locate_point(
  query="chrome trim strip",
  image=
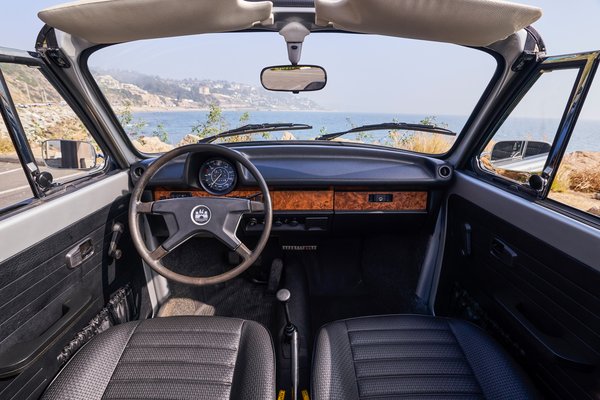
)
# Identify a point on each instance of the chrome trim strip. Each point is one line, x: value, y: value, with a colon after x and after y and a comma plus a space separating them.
x: 23, y: 230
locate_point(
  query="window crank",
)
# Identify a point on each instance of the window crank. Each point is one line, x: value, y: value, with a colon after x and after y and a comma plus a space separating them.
x: 117, y: 231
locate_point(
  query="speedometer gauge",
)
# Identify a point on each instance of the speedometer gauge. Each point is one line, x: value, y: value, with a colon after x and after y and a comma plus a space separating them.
x: 217, y: 176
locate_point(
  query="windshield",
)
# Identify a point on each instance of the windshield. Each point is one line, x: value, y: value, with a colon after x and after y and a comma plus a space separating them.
x: 176, y: 91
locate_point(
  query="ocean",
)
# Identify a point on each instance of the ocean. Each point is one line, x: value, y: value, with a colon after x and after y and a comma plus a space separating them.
x: 178, y: 124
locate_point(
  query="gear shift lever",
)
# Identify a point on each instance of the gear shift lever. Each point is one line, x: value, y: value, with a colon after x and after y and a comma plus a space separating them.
x: 283, y: 296
x: 291, y: 336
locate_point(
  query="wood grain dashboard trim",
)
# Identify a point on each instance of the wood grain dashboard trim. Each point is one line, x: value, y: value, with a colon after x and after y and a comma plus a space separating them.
x: 323, y: 200
x: 400, y: 201
x: 283, y: 200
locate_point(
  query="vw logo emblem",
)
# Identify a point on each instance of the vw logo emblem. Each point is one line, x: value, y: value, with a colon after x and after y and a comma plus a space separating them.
x: 200, y: 215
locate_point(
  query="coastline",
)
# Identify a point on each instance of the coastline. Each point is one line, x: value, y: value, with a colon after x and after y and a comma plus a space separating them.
x: 224, y: 109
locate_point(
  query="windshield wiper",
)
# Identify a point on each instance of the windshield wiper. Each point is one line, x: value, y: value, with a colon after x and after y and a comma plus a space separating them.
x: 390, y: 125
x: 254, y: 128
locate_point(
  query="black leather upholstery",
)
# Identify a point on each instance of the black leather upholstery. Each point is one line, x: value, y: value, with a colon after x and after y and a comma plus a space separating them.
x: 172, y: 358
x: 410, y: 357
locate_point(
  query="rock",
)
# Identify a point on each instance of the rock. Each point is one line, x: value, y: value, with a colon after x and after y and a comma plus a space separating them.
x: 188, y: 139
x: 594, y: 210
x: 597, y: 196
x: 287, y: 136
x: 151, y: 144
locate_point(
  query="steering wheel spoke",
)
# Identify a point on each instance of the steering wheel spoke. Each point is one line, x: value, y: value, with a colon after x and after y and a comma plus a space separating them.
x: 144, y: 208
x: 158, y: 253
x: 244, y: 251
x: 257, y: 206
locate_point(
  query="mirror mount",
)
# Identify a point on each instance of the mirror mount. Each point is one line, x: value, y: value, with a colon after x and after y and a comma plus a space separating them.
x: 294, y: 34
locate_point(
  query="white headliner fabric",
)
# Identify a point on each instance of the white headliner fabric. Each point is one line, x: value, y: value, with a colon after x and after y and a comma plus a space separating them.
x: 113, y: 21
x: 465, y: 22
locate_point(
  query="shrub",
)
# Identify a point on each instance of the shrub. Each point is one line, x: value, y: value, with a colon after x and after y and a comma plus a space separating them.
x: 6, y: 145
x: 562, y: 180
x: 585, y: 181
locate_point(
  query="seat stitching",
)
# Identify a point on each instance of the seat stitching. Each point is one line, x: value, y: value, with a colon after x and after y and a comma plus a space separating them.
x: 184, y: 331
x: 121, y: 356
x: 352, y: 354
x: 237, y: 356
x: 171, y: 379
x: 465, y: 356
x: 178, y: 362
x: 428, y: 395
x: 175, y: 346
x: 439, y: 358
x: 395, y: 329
x: 396, y: 375
x: 404, y: 342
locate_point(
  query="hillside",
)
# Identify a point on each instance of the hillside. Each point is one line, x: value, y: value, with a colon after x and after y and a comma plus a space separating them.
x: 44, y: 114
x: 126, y: 88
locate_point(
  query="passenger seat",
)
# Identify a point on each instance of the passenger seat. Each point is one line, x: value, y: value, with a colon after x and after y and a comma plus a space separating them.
x: 412, y: 356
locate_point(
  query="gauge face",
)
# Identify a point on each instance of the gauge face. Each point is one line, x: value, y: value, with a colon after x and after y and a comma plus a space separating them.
x: 217, y: 176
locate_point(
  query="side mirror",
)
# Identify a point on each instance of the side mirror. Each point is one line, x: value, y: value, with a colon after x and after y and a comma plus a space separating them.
x: 69, y: 154
x: 293, y: 78
x: 520, y: 155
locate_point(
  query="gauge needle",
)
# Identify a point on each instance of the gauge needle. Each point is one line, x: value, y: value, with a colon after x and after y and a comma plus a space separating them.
x: 217, y: 178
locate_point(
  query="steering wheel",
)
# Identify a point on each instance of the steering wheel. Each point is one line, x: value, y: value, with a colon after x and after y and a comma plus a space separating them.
x: 190, y: 216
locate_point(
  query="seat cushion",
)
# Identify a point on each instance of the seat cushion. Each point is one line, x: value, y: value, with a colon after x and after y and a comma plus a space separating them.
x: 412, y: 356
x: 172, y: 358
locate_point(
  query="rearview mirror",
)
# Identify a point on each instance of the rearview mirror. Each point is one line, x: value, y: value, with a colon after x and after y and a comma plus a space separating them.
x: 69, y: 154
x: 520, y: 155
x: 293, y: 78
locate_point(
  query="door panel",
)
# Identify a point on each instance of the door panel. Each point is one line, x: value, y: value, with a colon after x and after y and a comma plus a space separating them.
x: 43, y: 302
x: 56, y: 274
x: 540, y: 300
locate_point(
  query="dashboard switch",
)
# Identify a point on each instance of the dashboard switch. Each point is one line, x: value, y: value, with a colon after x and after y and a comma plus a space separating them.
x: 381, y: 198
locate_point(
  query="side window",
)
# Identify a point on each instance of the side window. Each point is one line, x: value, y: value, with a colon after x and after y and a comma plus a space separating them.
x: 577, y: 181
x: 58, y: 139
x: 14, y: 187
x: 521, y: 144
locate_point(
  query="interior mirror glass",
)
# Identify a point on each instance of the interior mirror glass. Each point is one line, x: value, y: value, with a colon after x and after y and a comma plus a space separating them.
x: 69, y: 154
x: 293, y: 78
x: 520, y: 155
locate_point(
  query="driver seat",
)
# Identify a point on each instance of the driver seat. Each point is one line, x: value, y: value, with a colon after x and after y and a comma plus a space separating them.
x: 172, y: 358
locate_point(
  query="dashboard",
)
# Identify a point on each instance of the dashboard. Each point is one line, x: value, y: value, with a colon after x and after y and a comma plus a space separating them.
x: 315, y: 188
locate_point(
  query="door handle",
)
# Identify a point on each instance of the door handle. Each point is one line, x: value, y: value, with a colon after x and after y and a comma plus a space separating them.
x: 503, y: 252
x: 81, y: 252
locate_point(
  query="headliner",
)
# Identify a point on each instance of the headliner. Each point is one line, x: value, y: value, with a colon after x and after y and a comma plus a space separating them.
x: 464, y: 22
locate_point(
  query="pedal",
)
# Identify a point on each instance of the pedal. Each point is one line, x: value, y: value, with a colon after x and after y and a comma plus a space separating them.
x: 275, y: 275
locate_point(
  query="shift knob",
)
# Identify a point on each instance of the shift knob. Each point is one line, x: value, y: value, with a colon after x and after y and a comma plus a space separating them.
x: 283, y: 295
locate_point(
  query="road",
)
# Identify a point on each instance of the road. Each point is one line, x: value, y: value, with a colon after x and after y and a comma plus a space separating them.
x: 13, y: 182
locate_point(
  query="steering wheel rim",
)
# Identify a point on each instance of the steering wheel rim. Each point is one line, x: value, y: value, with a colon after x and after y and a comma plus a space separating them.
x: 234, y: 208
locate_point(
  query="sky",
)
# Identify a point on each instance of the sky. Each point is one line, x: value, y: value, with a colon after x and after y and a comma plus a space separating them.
x: 365, y: 73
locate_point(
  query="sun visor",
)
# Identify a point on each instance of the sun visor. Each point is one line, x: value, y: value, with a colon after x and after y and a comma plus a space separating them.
x: 114, y: 21
x: 464, y: 22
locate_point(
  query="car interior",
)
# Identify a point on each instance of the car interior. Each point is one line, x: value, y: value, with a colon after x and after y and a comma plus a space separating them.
x: 297, y: 269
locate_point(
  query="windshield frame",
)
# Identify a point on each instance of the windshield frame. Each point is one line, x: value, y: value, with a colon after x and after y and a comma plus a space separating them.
x: 93, y: 84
